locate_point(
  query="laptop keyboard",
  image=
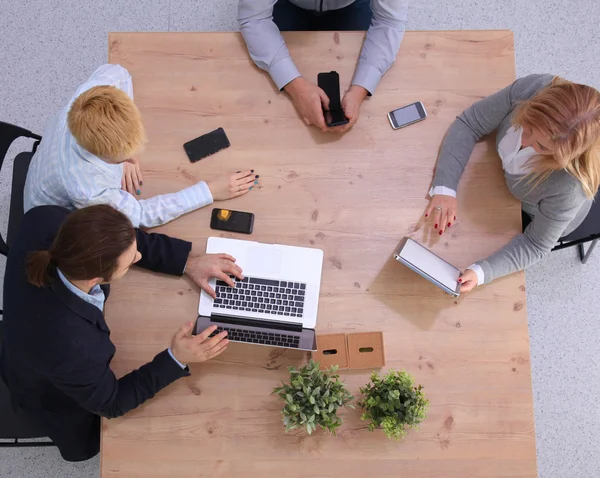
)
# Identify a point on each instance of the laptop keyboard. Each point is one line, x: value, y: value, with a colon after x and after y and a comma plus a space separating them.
x: 262, y: 295
x: 255, y: 337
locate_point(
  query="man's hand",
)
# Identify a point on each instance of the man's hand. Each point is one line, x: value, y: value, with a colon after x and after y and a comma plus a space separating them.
x: 188, y: 348
x: 351, y: 105
x: 309, y: 100
x: 202, y: 268
x: 468, y: 280
x: 132, y: 177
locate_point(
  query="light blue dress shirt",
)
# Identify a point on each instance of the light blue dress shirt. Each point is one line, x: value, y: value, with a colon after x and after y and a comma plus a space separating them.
x: 96, y: 298
x: 64, y: 174
x: 268, y: 50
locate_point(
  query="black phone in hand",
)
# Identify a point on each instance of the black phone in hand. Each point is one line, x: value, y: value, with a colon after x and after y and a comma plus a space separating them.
x: 207, y: 144
x: 330, y: 84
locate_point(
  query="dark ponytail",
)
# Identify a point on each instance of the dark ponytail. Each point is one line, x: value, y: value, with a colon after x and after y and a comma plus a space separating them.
x: 38, y: 268
x: 88, y: 245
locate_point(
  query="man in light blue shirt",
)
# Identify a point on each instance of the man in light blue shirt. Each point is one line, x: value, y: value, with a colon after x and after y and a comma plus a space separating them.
x: 88, y: 152
x: 262, y: 20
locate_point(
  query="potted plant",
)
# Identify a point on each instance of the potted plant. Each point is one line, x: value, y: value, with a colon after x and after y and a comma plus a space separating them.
x: 312, y: 397
x: 394, y: 403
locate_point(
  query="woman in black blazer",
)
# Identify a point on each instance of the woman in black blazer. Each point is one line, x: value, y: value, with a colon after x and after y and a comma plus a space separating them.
x: 57, y: 350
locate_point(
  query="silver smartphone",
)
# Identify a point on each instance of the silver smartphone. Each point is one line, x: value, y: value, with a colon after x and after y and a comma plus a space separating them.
x: 429, y: 266
x: 406, y: 115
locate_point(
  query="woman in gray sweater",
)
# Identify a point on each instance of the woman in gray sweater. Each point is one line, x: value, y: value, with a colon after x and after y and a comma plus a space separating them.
x: 548, y: 137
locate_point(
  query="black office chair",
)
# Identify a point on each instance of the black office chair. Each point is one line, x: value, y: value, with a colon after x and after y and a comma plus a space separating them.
x: 8, y: 134
x: 15, y: 427
x: 588, y: 231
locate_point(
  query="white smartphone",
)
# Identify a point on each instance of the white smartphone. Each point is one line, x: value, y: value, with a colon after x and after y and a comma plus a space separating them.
x: 429, y: 266
x: 406, y: 115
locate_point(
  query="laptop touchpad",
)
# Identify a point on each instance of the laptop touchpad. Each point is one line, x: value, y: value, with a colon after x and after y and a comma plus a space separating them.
x: 264, y: 261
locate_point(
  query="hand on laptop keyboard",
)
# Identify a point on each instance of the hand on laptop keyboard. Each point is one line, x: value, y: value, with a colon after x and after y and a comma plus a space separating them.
x: 189, y: 348
x: 201, y: 268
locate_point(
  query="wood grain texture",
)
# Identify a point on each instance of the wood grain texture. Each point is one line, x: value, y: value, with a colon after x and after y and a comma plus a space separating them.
x: 354, y: 196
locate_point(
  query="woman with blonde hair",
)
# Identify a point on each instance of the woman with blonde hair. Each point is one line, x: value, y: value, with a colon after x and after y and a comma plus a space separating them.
x: 548, y: 137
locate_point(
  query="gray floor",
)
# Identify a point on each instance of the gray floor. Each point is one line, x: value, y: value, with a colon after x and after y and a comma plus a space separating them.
x: 49, y: 46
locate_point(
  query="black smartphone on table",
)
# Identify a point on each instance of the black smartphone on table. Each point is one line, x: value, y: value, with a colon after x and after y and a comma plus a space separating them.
x: 406, y: 115
x: 330, y: 84
x: 207, y: 144
x: 232, y: 221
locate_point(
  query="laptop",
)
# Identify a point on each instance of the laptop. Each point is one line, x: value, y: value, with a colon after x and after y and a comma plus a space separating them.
x: 276, y: 303
x: 429, y: 266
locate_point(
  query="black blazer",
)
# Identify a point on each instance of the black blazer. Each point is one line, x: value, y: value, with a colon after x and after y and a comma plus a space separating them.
x: 56, y: 354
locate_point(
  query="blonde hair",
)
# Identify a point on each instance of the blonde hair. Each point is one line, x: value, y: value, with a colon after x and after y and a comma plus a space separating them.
x: 569, y: 115
x: 105, y: 121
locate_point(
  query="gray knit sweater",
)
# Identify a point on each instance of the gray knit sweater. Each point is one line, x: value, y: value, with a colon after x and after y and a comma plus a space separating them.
x: 557, y: 206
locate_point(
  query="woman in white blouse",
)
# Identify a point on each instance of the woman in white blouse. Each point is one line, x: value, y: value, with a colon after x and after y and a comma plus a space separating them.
x: 548, y: 137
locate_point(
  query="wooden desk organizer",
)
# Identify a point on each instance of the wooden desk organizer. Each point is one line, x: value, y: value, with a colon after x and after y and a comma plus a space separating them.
x: 352, y: 351
x: 331, y: 350
x: 365, y: 350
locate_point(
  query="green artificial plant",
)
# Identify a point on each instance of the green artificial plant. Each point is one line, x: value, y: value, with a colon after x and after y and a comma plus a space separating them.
x: 312, y: 397
x: 393, y: 402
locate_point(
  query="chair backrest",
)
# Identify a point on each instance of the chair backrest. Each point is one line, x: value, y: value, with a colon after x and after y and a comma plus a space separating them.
x: 14, y: 426
x: 8, y: 134
x: 589, y: 229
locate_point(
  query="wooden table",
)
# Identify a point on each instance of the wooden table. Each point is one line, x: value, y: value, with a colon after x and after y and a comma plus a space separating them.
x: 354, y: 196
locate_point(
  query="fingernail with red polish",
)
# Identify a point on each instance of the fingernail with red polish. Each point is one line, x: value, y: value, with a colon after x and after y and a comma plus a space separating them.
x: 435, y: 226
x: 455, y: 218
x: 449, y: 224
x: 459, y: 280
x: 426, y: 215
x: 441, y: 233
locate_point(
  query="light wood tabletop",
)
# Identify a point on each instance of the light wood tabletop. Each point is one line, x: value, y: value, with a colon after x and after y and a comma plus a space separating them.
x: 353, y: 196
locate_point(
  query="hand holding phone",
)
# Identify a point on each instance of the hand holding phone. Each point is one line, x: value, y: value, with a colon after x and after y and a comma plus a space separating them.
x: 309, y: 100
x: 330, y: 83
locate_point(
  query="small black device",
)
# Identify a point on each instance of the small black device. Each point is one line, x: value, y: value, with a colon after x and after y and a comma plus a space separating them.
x: 232, y: 221
x: 207, y: 144
x: 406, y: 115
x: 330, y: 84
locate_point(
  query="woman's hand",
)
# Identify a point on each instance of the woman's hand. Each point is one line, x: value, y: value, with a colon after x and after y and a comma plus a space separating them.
x: 203, y: 268
x: 188, y: 348
x: 468, y: 280
x: 227, y: 186
x: 132, y: 177
x: 442, y: 209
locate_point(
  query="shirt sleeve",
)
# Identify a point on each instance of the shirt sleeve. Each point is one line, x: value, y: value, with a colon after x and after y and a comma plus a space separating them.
x: 442, y: 190
x: 382, y: 42
x: 94, y: 386
x: 149, y: 212
x: 161, y: 253
x: 540, y: 236
x: 176, y: 361
x: 479, y: 272
x: 479, y: 119
x: 111, y: 75
x: 264, y: 41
